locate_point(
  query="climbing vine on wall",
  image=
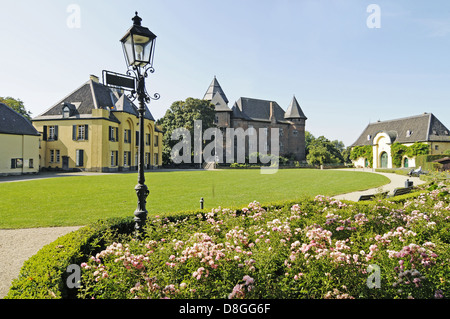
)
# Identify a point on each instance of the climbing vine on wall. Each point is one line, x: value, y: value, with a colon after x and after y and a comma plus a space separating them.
x: 398, y: 151
x: 364, y: 151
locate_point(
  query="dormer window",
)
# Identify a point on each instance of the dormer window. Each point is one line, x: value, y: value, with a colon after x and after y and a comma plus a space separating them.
x: 408, y: 133
x: 66, y: 112
x: 369, y: 137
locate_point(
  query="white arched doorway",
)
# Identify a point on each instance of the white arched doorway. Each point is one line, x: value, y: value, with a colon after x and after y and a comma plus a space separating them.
x: 382, y: 150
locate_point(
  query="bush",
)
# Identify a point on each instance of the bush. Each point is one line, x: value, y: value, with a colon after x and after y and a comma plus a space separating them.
x: 314, y: 248
x: 305, y: 248
x: 44, y: 275
x: 426, y: 161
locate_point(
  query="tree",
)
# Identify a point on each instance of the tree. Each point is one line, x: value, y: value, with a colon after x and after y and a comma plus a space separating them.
x: 309, y: 138
x: 323, y: 151
x: 339, y: 145
x: 16, y: 105
x: 182, y: 114
x: 346, y: 154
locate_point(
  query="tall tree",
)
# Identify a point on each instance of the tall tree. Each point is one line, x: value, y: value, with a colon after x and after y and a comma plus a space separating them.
x: 17, y: 105
x: 309, y: 138
x: 182, y: 114
x: 322, y: 151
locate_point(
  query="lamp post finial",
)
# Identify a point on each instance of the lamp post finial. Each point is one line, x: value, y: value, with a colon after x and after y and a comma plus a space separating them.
x: 136, y: 19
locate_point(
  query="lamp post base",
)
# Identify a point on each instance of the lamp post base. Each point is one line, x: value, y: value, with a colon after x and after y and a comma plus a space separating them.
x: 140, y: 214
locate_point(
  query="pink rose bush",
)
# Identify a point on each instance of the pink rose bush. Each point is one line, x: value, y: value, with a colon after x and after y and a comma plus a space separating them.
x: 314, y: 248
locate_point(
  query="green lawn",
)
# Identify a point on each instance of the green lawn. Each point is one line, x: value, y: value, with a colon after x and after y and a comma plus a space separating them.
x: 79, y: 200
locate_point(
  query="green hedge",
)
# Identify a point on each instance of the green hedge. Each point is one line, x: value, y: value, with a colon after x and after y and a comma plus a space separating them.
x: 396, y: 199
x: 426, y: 161
x: 44, y: 275
x: 398, y: 171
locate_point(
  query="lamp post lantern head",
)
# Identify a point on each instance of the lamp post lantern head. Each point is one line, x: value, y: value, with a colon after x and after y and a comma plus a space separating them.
x: 138, y: 44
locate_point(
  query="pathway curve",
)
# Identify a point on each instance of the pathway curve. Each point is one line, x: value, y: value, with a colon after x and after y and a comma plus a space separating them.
x: 18, y: 245
x: 397, y: 181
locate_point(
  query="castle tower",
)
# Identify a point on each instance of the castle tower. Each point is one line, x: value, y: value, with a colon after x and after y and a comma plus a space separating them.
x: 217, y: 97
x: 295, y: 115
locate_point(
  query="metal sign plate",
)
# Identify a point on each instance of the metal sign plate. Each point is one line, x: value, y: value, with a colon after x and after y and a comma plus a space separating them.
x: 119, y: 81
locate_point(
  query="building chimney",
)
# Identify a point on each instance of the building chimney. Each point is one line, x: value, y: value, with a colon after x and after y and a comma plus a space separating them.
x: 271, y: 114
x: 94, y: 78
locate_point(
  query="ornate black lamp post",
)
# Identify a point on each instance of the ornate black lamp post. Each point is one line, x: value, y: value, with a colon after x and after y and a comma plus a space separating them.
x: 138, y: 47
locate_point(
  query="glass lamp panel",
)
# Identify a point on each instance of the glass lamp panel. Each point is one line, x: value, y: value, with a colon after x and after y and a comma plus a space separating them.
x: 147, y: 49
x: 129, y: 50
x: 141, y: 49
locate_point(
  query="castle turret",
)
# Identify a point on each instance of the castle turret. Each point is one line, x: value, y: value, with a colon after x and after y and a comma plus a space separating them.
x: 297, y: 141
x: 217, y: 97
x: 294, y: 111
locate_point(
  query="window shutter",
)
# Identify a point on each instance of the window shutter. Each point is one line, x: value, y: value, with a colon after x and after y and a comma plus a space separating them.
x: 44, y: 133
x: 86, y: 130
x: 137, y: 138
x: 110, y: 135
x: 13, y: 163
x: 74, y: 132
x: 56, y: 133
x: 117, y: 134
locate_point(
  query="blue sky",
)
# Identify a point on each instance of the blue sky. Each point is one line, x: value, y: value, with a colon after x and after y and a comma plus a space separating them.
x: 343, y: 73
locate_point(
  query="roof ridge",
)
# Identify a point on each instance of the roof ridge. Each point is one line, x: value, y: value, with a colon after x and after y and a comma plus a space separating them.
x: 429, y: 126
x: 252, y: 98
x: 94, y: 96
x: 64, y: 98
x: 402, y: 118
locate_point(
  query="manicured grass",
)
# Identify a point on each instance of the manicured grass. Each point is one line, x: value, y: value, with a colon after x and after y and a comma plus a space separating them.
x: 79, y: 200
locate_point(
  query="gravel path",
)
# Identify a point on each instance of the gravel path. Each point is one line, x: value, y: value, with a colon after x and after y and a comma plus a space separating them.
x: 18, y: 245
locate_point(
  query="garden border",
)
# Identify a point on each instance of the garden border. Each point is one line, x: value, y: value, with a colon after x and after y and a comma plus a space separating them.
x: 44, y: 275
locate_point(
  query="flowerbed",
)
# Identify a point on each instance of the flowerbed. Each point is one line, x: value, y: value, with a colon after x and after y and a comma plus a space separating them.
x: 318, y: 248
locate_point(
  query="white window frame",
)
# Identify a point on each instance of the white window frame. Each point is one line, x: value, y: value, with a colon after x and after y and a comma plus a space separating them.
x: 81, y: 132
x: 78, y: 157
x: 51, y: 132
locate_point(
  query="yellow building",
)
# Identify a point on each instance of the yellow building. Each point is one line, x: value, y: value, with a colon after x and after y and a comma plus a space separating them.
x: 19, y: 143
x: 95, y: 128
x: 424, y: 128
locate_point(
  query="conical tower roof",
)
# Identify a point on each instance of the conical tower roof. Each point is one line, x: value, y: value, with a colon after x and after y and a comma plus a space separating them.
x: 214, y: 88
x: 294, y: 111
